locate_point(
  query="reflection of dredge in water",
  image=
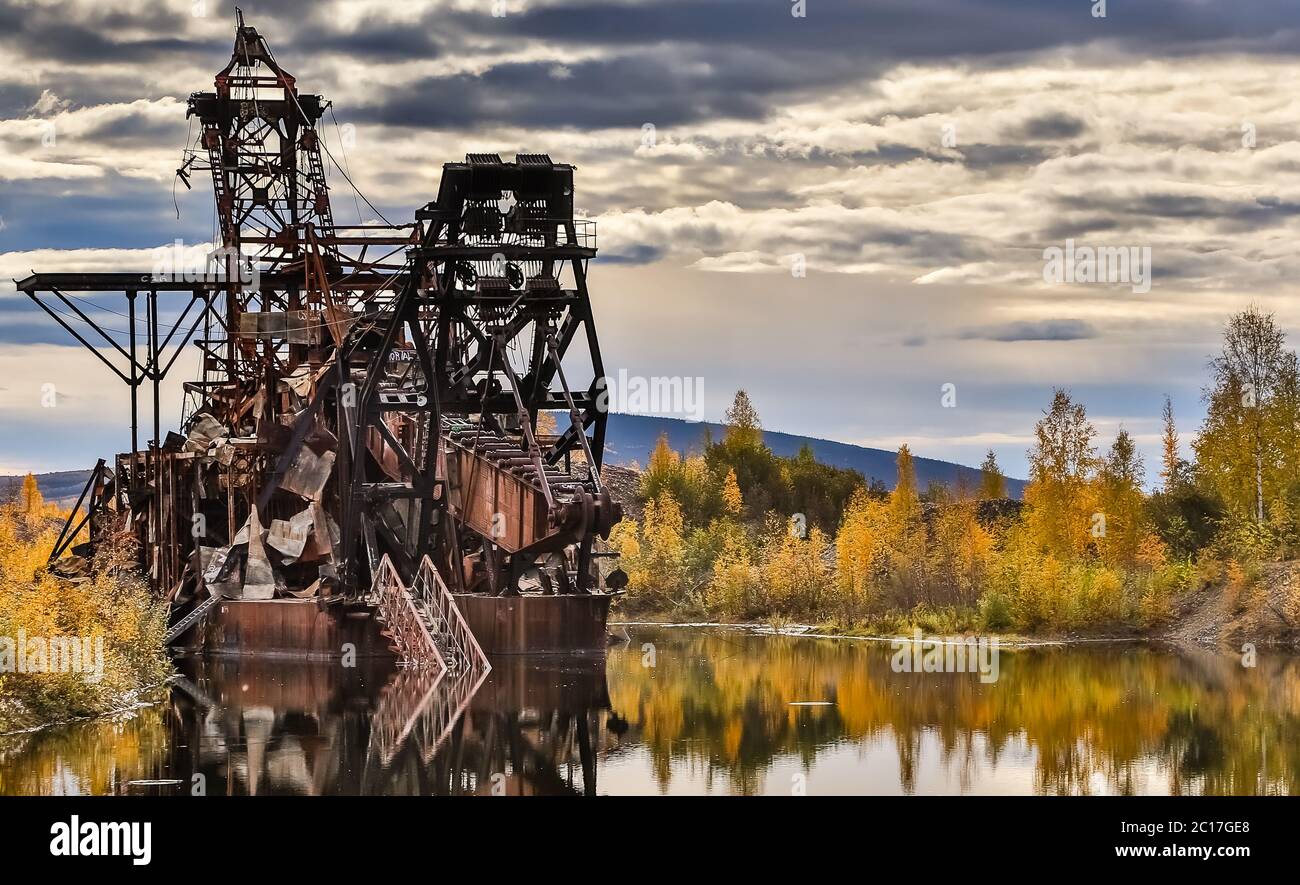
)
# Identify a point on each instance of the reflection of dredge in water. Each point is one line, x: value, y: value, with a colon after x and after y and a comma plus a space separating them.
x: 534, y: 726
x: 368, y: 399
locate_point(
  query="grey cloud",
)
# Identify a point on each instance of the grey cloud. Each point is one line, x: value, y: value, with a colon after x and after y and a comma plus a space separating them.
x: 990, y: 156
x: 1064, y: 228
x: 628, y: 90
x: 1229, y: 213
x: 113, y: 211
x: 135, y: 127
x: 1050, y: 127
x: 1032, y: 330
x: 894, y: 29
x: 670, y: 62
x: 641, y: 253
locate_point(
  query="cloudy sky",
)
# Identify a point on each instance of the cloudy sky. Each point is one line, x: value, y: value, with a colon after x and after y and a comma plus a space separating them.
x: 913, y: 157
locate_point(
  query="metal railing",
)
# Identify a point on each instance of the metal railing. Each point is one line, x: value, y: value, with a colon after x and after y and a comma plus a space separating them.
x: 402, y: 621
x: 423, y: 702
x: 464, y: 654
x: 535, y: 233
x: 398, y: 711
x: 421, y: 707
x: 175, y: 631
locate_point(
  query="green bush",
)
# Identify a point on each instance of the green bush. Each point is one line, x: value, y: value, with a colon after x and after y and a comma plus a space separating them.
x: 995, y: 611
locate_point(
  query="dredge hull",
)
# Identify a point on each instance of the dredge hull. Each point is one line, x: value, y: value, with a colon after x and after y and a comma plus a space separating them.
x: 296, y: 628
x: 537, y: 624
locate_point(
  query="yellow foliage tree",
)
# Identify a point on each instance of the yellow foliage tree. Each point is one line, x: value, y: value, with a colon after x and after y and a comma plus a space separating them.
x: 904, y: 501
x: 905, y: 533
x: 1247, y: 447
x: 743, y: 427
x: 116, y: 608
x: 962, y: 548
x: 1119, y: 494
x: 794, y: 576
x: 660, y: 565
x: 664, y: 469
x: 733, y: 588
x: 860, y: 539
x: 623, y: 540
x: 1061, y: 467
x: 546, y: 423
x: 30, y: 501
x: 732, y: 502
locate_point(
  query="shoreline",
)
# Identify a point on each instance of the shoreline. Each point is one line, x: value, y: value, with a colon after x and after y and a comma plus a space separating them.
x: 1012, y: 641
x: 130, y: 702
x: 813, y: 631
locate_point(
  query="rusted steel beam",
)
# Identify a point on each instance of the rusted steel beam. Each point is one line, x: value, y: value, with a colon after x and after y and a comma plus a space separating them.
x: 120, y: 282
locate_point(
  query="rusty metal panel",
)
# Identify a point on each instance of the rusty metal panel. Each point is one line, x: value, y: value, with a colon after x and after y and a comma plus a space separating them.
x: 287, y: 626
x: 533, y: 624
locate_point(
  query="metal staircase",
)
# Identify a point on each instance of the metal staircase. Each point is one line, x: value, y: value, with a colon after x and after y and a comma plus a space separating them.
x: 406, y: 626
x: 456, y: 643
x: 194, y: 616
x: 426, y: 699
x: 422, y: 708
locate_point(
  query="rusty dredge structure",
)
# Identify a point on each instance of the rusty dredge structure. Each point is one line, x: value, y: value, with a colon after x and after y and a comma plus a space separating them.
x: 362, y: 443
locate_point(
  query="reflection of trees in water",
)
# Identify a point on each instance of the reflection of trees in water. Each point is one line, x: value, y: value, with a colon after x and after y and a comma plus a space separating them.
x: 98, y: 757
x: 1124, y: 719
x: 716, y: 709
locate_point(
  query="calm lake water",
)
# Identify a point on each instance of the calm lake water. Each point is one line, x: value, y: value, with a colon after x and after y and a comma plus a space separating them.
x: 697, y: 711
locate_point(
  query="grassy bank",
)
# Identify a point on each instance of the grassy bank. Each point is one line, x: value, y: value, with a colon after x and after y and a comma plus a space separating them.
x: 1260, y: 606
x: 116, y: 624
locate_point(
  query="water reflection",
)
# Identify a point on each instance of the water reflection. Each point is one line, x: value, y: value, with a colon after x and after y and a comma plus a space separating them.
x: 257, y: 726
x: 723, y: 712
x: 695, y: 711
x: 534, y: 728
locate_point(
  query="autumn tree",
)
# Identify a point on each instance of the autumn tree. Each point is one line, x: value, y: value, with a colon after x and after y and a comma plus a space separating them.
x: 993, y: 484
x: 663, y: 472
x: 1282, y: 435
x: 758, y: 471
x: 794, y: 575
x: 905, y: 533
x: 860, y: 540
x: 962, y: 548
x: 1170, y: 464
x: 1252, y: 380
x: 904, y: 501
x: 30, y: 501
x: 742, y: 422
x: 732, y: 501
x: 546, y: 423
x: 689, y: 480
x: 657, y: 570
x: 734, y: 584
x: 1061, y: 467
x: 1120, y: 499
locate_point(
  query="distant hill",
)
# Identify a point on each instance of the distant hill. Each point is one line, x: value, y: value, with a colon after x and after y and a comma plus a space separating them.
x: 61, y: 487
x: 632, y: 437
